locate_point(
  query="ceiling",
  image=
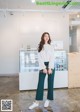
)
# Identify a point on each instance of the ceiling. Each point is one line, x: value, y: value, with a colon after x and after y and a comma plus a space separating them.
x: 28, y: 5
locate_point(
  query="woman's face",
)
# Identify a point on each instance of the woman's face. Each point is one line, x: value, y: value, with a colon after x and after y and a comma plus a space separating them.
x: 46, y: 38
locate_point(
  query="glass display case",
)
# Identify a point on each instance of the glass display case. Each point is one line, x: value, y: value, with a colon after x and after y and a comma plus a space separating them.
x: 61, y: 61
x: 29, y: 69
x: 29, y: 60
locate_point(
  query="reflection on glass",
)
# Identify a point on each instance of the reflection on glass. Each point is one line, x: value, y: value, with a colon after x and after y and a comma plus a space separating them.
x: 29, y: 61
x: 60, y: 61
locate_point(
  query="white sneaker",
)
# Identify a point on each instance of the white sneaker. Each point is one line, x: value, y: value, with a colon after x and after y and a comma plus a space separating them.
x: 46, y: 104
x: 34, y: 105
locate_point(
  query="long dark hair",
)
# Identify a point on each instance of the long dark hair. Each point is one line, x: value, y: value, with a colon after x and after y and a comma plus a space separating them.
x: 42, y: 42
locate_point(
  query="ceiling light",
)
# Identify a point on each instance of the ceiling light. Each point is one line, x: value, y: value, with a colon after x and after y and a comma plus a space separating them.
x: 33, y: 1
x: 78, y: 15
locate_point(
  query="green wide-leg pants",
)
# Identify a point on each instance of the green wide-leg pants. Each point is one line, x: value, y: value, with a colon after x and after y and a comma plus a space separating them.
x: 40, y: 87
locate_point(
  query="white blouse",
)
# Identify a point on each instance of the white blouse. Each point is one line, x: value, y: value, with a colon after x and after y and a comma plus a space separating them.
x: 46, y: 55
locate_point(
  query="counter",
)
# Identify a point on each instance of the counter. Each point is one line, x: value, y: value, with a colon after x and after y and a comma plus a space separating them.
x: 73, y: 70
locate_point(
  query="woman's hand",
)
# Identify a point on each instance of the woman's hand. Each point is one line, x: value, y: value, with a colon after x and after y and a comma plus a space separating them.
x: 45, y: 71
x: 49, y: 71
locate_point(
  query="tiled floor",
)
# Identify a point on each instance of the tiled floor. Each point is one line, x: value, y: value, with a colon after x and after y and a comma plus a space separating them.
x: 65, y: 100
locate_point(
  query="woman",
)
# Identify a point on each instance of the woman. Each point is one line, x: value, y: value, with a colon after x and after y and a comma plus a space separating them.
x: 46, y: 66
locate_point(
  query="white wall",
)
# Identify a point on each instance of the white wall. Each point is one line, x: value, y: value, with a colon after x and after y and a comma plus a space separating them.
x: 26, y: 28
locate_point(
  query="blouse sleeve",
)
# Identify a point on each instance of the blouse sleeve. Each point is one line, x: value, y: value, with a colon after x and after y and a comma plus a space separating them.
x: 51, y: 61
x: 41, y: 62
